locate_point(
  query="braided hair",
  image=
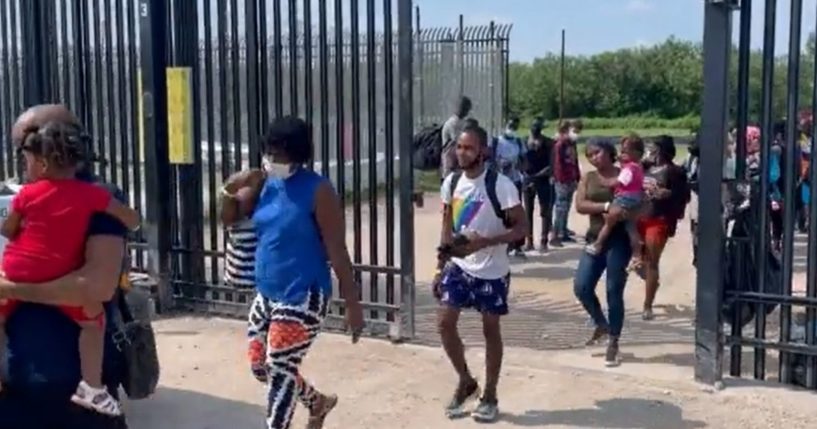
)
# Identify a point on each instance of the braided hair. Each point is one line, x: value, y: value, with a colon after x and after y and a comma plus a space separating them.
x: 61, y: 145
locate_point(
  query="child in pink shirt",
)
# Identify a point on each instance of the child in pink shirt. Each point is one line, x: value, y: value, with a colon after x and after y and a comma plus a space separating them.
x: 628, y: 197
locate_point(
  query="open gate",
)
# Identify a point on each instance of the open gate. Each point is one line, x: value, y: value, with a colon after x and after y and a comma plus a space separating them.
x: 176, y: 94
x: 764, y: 290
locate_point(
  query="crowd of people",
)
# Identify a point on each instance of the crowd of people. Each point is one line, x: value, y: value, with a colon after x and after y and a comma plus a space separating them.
x: 634, y: 195
x: 286, y: 230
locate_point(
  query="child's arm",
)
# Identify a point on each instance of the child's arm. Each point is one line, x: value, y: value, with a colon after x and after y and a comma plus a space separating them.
x: 128, y: 216
x: 12, y: 224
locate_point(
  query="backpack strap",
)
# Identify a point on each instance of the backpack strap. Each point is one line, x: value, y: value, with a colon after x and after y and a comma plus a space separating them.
x: 455, y: 178
x: 491, y: 177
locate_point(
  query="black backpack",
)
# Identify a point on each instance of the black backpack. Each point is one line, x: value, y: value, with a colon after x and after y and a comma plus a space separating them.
x: 428, y: 148
x: 491, y: 176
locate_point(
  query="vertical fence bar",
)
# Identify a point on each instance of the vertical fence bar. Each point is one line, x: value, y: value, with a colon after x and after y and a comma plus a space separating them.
x: 66, y: 56
x: 293, y: 56
x: 110, y: 102
x: 323, y: 51
x: 309, y: 103
x: 708, y: 333
x: 811, y: 275
x: 135, y: 122
x: 420, y: 49
x: 210, y: 109
x: 278, y: 52
x: 124, y: 122
x: 388, y: 68
x: 767, y: 103
x: 736, y: 350
x: 97, y: 47
x: 34, y: 86
x: 357, y: 216
x: 152, y: 14
x: 263, y: 65
x: 221, y: 30
x: 790, y: 162
x: 340, y: 106
x: 371, y: 105
x: 405, y: 131
x: 7, y: 106
x: 251, y: 40
x: 236, y: 85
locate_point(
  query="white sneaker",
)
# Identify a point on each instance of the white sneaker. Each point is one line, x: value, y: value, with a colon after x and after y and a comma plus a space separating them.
x: 98, y: 400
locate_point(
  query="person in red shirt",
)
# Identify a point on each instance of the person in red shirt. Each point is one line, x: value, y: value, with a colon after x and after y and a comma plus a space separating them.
x: 565, y: 178
x: 46, y: 228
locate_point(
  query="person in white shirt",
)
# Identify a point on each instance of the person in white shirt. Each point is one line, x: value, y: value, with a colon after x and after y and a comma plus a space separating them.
x: 482, y: 215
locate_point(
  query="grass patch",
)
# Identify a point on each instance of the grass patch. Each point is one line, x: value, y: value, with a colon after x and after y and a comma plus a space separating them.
x: 647, y: 132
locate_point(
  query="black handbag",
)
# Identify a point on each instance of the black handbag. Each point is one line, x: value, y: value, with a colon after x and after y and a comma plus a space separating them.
x: 137, y: 343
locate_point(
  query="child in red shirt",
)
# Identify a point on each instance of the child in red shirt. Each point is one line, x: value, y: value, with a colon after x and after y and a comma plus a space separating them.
x: 627, y: 198
x: 46, y: 228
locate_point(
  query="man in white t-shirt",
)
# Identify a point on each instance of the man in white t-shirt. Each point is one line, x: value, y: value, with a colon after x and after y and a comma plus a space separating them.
x: 482, y: 215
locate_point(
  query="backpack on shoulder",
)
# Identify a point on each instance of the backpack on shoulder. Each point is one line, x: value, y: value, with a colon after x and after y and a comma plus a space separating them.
x: 428, y: 148
x: 491, y: 176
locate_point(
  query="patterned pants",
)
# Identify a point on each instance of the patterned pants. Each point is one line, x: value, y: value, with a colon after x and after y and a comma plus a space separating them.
x: 279, y: 337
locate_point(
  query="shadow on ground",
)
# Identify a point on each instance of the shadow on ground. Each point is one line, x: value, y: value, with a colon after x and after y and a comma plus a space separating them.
x: 539, y: 322
x: 622, y: 413
x: 182, y: 409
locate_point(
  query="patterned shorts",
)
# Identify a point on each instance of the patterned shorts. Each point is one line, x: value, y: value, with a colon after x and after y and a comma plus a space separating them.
x: 461, y: 290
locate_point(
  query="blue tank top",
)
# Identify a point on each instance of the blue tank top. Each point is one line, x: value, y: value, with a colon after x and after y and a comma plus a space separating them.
x: 290, y: 260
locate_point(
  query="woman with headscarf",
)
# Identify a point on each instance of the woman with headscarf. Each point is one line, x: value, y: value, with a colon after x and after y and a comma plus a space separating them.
x: 667, y: 193
x: 593, y: 199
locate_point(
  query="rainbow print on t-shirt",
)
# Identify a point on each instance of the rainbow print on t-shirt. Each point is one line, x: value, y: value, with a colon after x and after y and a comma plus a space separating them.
x: 464, y: 211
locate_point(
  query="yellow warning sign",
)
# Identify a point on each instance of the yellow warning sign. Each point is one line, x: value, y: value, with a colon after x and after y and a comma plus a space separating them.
x: 180, y: 115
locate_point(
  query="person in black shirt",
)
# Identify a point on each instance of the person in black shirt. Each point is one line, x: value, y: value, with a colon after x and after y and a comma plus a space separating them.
x: 537, y: 183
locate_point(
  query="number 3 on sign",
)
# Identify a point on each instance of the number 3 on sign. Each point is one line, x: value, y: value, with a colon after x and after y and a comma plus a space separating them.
x: 144, y: 9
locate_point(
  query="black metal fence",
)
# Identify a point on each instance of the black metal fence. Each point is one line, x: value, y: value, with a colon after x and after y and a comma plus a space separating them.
x: 248, y: 62
x: 467, y: 60
x: 756, y: 273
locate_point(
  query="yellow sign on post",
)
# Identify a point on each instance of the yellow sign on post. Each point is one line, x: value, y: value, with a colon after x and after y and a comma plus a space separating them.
x: 180, y: 115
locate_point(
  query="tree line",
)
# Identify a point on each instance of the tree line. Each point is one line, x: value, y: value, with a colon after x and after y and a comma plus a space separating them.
x: 659, y: 82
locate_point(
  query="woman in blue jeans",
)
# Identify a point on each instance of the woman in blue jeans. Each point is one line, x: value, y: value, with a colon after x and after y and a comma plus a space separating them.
x: 593, y: 199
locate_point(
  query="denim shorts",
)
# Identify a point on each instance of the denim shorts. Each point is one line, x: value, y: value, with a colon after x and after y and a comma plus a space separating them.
x: 628, y: 202
x: 461, y: 290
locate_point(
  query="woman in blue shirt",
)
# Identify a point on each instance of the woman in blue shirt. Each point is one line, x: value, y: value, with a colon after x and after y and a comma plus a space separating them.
x: 300, y: 227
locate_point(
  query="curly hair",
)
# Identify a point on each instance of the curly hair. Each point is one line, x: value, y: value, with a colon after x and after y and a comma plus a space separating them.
x: 60, y: 145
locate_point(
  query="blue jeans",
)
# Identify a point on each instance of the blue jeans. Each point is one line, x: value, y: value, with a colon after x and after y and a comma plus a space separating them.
x: 614, y: 260
x: 561, y: 207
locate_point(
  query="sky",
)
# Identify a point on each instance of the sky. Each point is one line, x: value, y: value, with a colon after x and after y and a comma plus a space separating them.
x: 594, y: 26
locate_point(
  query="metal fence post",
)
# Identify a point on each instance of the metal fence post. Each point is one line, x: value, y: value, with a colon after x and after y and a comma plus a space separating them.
x: 708, y: 324
x: 153, y: 45
x: 35, y: 53
x: 191, y: 207
x: 405, y: 129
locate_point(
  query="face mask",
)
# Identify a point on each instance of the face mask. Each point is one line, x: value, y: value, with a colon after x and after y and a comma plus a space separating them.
x: 276, y: 169
x: 573, y: 135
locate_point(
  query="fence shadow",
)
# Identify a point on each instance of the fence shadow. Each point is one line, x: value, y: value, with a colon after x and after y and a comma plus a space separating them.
x: 183, y: 409
x: 621, y: 413
x: 539, y: 322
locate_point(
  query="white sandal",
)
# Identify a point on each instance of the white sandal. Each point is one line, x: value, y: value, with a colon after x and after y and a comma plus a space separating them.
x: 99, y: 400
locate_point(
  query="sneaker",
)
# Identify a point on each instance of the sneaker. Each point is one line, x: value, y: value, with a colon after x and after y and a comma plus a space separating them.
x: 96, y: 399
x: 487, y: 411
x: 318, y: 415
x: 568, y: 239
x: 463, y: 394
x: 598, y: 334
x: 611, y: 358
x: 647, y: 315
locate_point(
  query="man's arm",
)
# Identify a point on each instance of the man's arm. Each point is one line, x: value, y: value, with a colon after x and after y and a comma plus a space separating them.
x: 96, y: 281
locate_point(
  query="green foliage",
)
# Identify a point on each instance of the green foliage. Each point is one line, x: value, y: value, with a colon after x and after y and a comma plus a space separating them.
x: 649, y: 87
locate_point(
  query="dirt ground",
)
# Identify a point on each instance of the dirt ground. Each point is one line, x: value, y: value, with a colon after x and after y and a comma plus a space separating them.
x: 548, y: 380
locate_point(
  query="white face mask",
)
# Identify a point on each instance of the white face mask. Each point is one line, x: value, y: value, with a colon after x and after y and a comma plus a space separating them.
x: 573, y: 135
x: 276, y: 169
